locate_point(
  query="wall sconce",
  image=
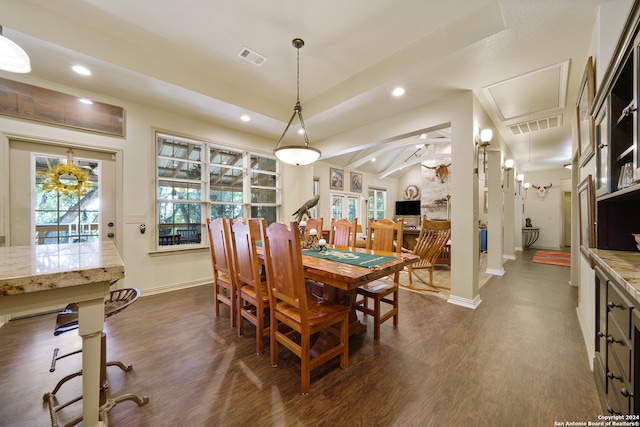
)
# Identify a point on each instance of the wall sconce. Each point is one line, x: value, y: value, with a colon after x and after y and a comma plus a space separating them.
x: 482, y: 142
x: 508, y: 166
x: 519, y: 184
x: 527, y: 185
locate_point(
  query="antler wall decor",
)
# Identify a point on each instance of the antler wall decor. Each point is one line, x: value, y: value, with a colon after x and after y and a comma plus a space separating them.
x: 542, y: 191
x: 442, y: 171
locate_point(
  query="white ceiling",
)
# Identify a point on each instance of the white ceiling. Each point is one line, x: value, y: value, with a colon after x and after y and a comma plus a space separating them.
x: 523, y: 59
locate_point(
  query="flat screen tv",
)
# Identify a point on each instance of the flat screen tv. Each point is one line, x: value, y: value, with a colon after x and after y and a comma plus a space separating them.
x: 408, y: 207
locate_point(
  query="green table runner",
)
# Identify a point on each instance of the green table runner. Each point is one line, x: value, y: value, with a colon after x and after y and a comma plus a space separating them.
x: 348, y: 257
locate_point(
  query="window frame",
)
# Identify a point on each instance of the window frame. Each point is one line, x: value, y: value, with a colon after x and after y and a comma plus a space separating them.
x: 205, y: 201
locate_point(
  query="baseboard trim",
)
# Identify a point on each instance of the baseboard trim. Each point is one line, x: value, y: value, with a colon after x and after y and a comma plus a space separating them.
x: 508, y: 257
x: 495, y: 272
x: 175, y: 287
x: 465, y: 302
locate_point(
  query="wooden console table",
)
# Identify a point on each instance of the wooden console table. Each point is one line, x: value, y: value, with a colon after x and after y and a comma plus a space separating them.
x: 46, y: 276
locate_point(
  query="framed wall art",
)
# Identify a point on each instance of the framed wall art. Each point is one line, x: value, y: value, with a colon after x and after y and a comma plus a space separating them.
x: 336, y: 179
x: 586, y: 208
x: 356, y: 182
x: 586, y: 122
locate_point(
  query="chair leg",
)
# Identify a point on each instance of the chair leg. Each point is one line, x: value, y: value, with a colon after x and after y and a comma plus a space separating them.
x: 396, y: 303
x: 259, y: 331
x: 305, y: 364
x: 273, y: 341
x: 430, y: 288
x: 376, y: 319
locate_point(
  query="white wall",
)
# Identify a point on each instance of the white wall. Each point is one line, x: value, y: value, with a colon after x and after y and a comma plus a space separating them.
x: 144, y: 270
x: 546, y: 212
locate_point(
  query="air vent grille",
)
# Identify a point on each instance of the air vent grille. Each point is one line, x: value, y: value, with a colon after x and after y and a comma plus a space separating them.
x: 535, y: 125
x: 254, y: 57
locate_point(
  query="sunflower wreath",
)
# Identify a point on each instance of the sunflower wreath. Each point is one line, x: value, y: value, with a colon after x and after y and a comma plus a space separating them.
x: 52, y: 180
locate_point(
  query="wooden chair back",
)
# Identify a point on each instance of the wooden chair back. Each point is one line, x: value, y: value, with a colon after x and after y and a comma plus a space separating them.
x: 219, y: 232
x: 385, y: 235
x: 432, y: 239
x: 283, y: 262
x: 313, y: 223
x: 246, y: 233
x: 343, y: 232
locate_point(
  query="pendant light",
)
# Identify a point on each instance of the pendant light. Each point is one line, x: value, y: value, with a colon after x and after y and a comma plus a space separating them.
x: 297, y: 154
x: 12, y: 57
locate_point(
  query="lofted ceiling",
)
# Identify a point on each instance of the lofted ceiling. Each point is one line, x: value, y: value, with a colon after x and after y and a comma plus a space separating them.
x: 522, y: 59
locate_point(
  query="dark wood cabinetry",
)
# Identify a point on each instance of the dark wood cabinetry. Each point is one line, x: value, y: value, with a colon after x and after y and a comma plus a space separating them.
x: 616, y: 259
x: 617, y: 331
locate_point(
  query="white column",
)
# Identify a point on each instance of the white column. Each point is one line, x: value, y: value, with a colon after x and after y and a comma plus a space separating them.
x: 495, y: 240
x: 509, y: 249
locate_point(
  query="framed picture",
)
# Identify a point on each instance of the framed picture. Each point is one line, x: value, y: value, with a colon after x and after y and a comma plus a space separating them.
x: 586, y: 208
x: 586, y: 122
x: 356, y: 182
x: 336, y: 179
x: 486, y: 201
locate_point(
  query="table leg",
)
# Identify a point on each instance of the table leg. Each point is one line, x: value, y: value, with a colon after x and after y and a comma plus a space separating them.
x: 90, y: 324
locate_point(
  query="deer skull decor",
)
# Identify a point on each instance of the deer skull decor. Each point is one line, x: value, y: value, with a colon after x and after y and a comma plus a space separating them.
x: 442, y: 171
x: 542, y: 191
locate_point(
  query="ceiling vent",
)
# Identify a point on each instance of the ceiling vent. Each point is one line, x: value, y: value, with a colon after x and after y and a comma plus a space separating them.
x: 254, y: 57
x: 534, y: 125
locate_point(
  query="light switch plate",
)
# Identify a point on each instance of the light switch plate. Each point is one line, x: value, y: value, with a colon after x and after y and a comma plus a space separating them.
x: 135, y: 219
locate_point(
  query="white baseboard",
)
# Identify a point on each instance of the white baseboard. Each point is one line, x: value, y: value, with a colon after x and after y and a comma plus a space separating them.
x: 509, y: 257
x: 495, y: 272
x: 465, y: 302
x: 176, y: 287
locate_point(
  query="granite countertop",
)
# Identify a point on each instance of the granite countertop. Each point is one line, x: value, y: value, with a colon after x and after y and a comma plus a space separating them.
x: 622, y: 266
x: 26, y: 269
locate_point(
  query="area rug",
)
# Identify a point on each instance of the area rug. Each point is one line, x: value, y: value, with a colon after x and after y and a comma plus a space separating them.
x: 552, y: 258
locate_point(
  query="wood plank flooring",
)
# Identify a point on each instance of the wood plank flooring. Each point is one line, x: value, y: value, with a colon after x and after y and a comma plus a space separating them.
x: 518, y: 360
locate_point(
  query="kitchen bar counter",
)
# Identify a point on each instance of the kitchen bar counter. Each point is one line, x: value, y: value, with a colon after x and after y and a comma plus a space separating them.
x: 47, y: 276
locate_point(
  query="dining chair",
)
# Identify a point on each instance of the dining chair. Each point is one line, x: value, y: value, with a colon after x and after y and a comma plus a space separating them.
x: 382, y: 235
x: 342, y: 232
x: 313, y: 224
x: 433, y: 237
x: 294, y: 317
x: 253, y: 295
x: 221, y: 249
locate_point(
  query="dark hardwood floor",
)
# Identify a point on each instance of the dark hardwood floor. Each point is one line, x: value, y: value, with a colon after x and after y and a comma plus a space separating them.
x: 518, y: 360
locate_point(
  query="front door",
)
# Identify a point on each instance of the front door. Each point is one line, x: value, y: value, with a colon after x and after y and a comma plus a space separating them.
x: 48, y: 217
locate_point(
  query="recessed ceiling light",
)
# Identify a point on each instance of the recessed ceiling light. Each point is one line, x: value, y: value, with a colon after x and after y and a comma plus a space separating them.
x: 85, y: 101
x: 399, y: 91
x: 81, y: 70
x: 245, y: 118
x: 301, y: 131
x: 373, y: 159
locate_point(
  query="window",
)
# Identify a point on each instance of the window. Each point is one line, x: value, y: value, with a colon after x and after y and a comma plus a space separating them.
x: 197, y: 180
x: 66, y: 219
x: 377, y: 203
x: 345, y: 206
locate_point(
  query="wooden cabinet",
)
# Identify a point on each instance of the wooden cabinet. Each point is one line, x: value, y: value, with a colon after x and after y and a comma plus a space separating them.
x: 617, y: 346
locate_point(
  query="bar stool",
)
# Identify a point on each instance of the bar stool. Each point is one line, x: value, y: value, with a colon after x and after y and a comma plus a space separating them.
x: 67, y: 320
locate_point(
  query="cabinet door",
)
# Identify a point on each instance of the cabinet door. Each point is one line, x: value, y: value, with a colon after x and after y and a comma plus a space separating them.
x: 602, y: 183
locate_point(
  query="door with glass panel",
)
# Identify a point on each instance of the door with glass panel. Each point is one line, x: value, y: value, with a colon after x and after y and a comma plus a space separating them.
x: 345, y: 206
x: 44, y: 206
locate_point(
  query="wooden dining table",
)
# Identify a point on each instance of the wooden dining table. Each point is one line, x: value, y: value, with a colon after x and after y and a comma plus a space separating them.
x: 341, y: 279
